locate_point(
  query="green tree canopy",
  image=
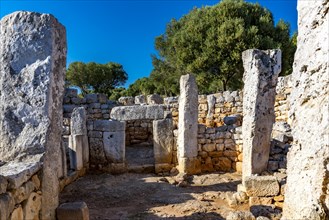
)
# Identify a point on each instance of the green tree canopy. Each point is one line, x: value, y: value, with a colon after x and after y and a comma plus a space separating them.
x: 95, y: 77
x: 209, y: 41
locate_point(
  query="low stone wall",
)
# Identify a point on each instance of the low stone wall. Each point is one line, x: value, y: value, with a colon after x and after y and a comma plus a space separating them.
x: 20, y: 190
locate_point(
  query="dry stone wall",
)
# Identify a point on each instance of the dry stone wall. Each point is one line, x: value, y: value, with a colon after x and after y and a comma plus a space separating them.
x: 220, y: 112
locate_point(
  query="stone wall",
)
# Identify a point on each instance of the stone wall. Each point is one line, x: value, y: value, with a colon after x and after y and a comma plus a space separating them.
x: 220, y: 141
x: 20, y: 191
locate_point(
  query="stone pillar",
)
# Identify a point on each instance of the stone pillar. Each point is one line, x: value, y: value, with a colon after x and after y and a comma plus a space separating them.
x: 188, y: 126
x: 113, y: 139
x: 78, y: 142
x: 260, y: 78
x: 33, y: 63
x: 163, y: 143
x: 306, y: 191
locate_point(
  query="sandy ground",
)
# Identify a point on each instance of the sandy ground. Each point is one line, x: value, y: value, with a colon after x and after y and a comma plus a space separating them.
x: 147, y: 196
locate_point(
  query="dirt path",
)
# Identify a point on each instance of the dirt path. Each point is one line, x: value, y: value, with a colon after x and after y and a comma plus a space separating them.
x: 147, y: 196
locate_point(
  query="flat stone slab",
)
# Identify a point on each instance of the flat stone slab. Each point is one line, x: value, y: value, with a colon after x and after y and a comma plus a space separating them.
x: 73, y: 210
x: 18, y: 173
x: 109, y: 125
x: 138, y: 112
x: 261, y: 185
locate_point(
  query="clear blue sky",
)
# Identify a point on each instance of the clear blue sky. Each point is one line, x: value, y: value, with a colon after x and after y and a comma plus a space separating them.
x: 123, y: 31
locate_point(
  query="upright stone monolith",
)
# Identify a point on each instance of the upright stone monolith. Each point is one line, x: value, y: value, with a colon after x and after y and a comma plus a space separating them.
x: 262, y: 69
x: 78, y: 143
x: 163, y: 144
x: 188, y: 126
x: 307, y: 188
x: 33, y: 61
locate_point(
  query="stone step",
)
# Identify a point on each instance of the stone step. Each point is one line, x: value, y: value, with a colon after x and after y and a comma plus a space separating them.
x: 145, y: 168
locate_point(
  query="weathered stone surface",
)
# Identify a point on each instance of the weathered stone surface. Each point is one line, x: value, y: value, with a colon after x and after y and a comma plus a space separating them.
x: 102, y: 98
x: 154, y: 99
x: 127, y: 100
x: 32, y: 206
x: 188, y: 126
x: 260, y: 78
x: 73, y: 210
x: 23, y: 192
x: 188, y: 117
x: 91, y: 98
x: 308, y: 158
x: 126, y: 113
x: 170, y: 100
x: 17, y: 213
x: 163, y: 141
x: 211, y: 99
x: 71, y: 93
x: 140, y: 100
x: 3, y: 184
x: 18, y: 173
x: 240, y: 215
x: 76, y: 151
x: 261, y: 185
x: 109, y: 125
x: 32, y: 86
x: 230, y: 120
x: 114, y: 146
x: 78, y: 121
x: 7, y: 204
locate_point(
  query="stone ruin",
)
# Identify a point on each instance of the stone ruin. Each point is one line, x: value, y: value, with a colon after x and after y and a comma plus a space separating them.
x: 275, y: 132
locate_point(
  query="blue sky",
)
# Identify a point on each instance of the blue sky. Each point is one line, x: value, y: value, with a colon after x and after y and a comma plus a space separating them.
x: 123, y: 31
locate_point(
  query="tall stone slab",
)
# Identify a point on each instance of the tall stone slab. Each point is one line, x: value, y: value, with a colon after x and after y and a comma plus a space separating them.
x: 188, y: 126
x: 260, y: 78
x: 306, y: 192
x: 33, y: 60
x: 163, y: 144
x: 78, y: 143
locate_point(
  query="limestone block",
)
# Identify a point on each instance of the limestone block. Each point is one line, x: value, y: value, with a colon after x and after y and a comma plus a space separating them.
x: 91, y: 98
x: 240, y: 215
x: 230, y: 120
x: 71, y: 93
x: 32, y: 206
x: 102, y: 98
x: 23, y: 192
x: 140, y: 100
x: 97, y: 154
x: 154, y: 99
x: 17, y: 214
x: 163, y: 141
x: 114, y: 146
x: 68, y: 108
x: 78, y: 146
x: 260, y: 78
x: 308, y: 158
x: 7, y: 204
x: 138, y: 112
x: 32, y: 87
x: 127, y: 100
x: 109, y: 125
x: 253, y: 201
x: 18, y: 173
x: 189, y: 165
x: 73, y: 210
x: 170, y: 100
x: 163, y: 167
x: 188, y: 117
x: 78, y: 121
x: 261, y: 185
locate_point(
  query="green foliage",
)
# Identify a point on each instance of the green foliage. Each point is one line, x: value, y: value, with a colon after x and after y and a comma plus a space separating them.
x: 94, y: 77
x: 141, y: 86
x: 209, y: 41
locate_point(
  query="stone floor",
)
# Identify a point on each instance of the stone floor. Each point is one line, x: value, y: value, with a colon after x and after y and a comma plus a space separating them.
x: 147, y: 196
